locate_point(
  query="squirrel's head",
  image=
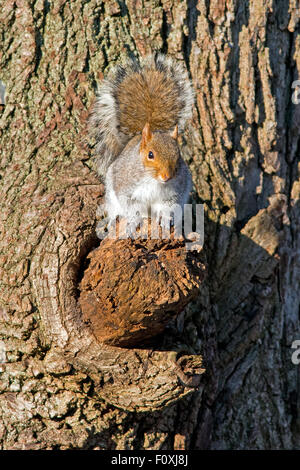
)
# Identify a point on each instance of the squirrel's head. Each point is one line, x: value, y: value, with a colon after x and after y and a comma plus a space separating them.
x: 160, y: 153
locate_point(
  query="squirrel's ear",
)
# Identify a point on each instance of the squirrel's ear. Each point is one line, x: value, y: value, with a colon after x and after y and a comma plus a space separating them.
x: 174, y: 133
x: 146, y: 134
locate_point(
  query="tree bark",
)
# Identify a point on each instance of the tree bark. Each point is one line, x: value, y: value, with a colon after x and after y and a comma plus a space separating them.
x: 130, y: 298
x: 56, y: 380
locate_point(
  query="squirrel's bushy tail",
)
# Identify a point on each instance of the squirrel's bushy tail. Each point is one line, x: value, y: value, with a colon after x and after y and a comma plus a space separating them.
x: 155, y: 90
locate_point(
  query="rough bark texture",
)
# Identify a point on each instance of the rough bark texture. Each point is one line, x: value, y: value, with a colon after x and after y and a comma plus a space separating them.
x: 243, y: 150
x: 130, y: 298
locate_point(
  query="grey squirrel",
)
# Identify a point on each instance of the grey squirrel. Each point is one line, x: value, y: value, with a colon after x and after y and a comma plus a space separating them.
x: 135, y: 120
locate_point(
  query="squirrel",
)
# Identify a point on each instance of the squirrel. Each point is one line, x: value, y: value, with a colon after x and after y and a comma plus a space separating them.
x: 137, y: 113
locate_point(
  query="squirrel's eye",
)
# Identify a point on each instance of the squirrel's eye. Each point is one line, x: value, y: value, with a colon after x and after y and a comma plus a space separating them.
x: 150, y: 155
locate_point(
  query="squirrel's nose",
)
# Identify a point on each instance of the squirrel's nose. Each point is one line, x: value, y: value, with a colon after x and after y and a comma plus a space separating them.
x: 165, y: 177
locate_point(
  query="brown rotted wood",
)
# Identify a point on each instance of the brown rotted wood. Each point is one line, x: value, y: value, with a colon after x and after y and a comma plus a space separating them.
x: 133, y: 288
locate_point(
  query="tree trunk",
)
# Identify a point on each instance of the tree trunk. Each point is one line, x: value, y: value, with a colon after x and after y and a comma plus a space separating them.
x: 56, y: 380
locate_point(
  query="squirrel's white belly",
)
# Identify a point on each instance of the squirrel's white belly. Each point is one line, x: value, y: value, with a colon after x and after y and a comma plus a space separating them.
x: 148, y: 191
x: 148, y: 197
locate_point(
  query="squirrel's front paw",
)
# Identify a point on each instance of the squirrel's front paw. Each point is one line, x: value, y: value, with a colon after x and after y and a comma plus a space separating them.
x: 166, y: 222
x: 132, y: 225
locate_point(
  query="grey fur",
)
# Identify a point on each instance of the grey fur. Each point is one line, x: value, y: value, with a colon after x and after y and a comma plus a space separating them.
x: 131, y: 189
x: 104, y: 122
